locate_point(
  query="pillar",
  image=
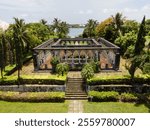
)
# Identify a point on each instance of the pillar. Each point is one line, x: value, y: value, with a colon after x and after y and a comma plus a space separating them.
x: 117, y: 61
x: 35, y: 61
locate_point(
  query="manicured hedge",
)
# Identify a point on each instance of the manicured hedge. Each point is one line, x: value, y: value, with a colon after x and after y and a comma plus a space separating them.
x: 99, y: 81
x: 33, y: 81
x: 107, y: 96
x: 33, y: 96
x: 129, y: 97
x: 104, y: 96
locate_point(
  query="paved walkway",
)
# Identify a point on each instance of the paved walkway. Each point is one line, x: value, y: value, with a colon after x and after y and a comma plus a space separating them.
x: 75, y: 106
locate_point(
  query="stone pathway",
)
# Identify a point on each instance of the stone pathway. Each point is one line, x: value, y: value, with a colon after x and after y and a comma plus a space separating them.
x: 75, y: 106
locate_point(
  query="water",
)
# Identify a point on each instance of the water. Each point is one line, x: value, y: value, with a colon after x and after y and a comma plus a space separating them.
x: 74, y: 32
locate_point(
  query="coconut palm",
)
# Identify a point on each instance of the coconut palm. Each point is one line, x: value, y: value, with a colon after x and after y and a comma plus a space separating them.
x: 63, y: 30
x: 22, y: 34
x: 55, y: 25
x: 90, y: 27
x: 20, y: 41
x: 118, y: 22
x: 43, y: 21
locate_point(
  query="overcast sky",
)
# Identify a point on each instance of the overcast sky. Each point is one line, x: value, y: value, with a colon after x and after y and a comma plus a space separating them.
x: 72, y: 11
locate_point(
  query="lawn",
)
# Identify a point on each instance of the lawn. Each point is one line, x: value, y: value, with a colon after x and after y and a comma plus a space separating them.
x: 115, y: 107
x: 24, y: 107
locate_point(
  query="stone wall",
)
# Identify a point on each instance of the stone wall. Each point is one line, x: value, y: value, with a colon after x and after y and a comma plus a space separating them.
x: 33, y: 88
x: 121, y: 88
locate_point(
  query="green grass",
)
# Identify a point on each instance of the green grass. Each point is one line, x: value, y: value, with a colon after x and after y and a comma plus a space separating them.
x: 20, y: 107
x: 115, y: 107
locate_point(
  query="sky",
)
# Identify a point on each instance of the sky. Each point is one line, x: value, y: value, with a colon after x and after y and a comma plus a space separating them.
x: 72, y: 11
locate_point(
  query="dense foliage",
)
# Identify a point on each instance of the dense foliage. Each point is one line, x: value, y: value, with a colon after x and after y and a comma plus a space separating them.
x: 33, y: 96
x: 62, y: 68
x: 104, y: 96
x: 87, y: 71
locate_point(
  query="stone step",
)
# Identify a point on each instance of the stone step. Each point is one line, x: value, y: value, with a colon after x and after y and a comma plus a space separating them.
x: 76, y: 98
x: 76, y: 94
x: 82, y: 92
x: 72, y: 79
x: 71, y: 91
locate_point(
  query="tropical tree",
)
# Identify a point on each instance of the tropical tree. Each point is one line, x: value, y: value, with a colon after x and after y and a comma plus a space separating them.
x: 60, y: 28
x: 106, y: 30
x: 1, y: 58
x: 18, y: 30
x: 135, y: 61
x: 118, y: 20
x: 63, y: 30
x: 130, y: 25
x: 125, y: 41
x: 43, y: 21
x: 90, y: 28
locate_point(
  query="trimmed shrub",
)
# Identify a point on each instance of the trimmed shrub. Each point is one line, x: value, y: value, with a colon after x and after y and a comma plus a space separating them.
x: 129, y: 97
x: 33, y: 96
x: 125, y: 80
x: 33, y: 81
x: 104, y: 96
x: 87, y: 71
x: 62, y: 68
x: 95, y: 65
x: 54, y: 62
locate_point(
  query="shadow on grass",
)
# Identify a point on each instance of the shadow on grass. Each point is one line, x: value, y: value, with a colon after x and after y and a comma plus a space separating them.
x: 144, y: 101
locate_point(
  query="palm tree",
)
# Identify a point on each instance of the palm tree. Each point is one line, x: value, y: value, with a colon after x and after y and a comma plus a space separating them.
x: 19, y: 41
x: 1, y: 58
x: 63, y: 30
x: 60, y: 28
x: 23, y: 35
x: 90, y: 28
x: 43, y: 21
x: 118, y: 22
x: 55, y: 25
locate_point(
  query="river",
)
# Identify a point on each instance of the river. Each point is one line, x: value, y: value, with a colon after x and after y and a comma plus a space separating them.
x: 74, y: 32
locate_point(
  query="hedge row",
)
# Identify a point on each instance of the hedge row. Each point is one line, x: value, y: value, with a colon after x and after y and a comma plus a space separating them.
x: 115, y: 96
x: 33, y: 96
x: 33, y: 81
x: 98, y: 81
x: 104, y: 96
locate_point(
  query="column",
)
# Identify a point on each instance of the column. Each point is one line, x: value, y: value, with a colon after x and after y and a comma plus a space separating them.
x: 35, y: 61
x: 65, y: 55
x: 117, y: 61
x: 79, y: 57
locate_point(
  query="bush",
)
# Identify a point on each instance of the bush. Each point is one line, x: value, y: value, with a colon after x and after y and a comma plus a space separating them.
x: 104, y: 96
x: 120, y: 80
x: 129, y: 97
x: 62, y: 68
x: 87, y: 72
x: 54, y: 62
x: 34, y: 81
x: 33, y: 96
x: 95, y: 65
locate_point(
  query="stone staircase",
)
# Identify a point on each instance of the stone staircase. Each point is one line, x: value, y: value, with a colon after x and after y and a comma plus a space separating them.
x: 75, y: 88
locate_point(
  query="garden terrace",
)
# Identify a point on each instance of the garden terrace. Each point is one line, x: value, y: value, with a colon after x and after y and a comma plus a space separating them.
x: 77, y: 52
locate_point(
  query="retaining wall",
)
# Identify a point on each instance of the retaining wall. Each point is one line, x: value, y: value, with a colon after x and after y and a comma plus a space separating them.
x: 121, y: 88
x: 32, y: 88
